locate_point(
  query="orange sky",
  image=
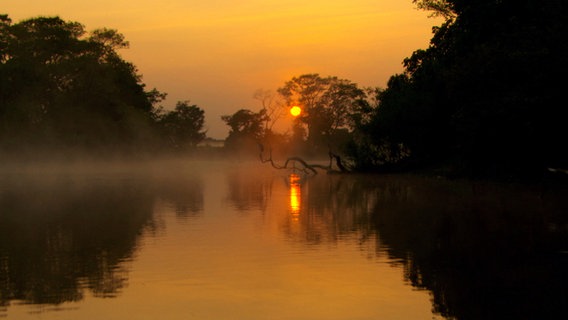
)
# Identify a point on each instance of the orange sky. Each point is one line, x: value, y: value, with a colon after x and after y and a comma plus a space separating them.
x: 217, y: 53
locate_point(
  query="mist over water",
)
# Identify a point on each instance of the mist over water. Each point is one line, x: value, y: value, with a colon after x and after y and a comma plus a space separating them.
x: 213, y: 239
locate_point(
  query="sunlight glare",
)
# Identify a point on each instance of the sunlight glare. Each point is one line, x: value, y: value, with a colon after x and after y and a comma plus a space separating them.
x: 295, y: 111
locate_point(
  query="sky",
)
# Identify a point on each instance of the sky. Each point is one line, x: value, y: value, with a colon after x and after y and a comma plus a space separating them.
x: 218, y: 53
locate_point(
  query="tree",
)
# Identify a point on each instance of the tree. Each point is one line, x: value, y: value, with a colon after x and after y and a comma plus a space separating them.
x: 330, y: 105
x: 272, y: 107
x: 184, y: 125
x: 481, y: 98
x: 442, y: 8
x: 62, y: 86
x: 247, y: 129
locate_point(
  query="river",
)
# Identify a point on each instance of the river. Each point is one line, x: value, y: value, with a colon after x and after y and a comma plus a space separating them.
x: 216, y: 240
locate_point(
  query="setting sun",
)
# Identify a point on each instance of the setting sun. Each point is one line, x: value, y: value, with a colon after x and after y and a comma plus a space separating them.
x: 295, y: 111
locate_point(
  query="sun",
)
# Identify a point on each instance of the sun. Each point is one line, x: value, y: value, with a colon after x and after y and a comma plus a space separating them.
x: 295, y: 111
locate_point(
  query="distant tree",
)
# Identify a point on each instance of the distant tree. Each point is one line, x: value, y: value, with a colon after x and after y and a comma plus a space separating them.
x: 330, y: 106
x: 272, y: 106
x: 184, y: 125
x: 246, y: 129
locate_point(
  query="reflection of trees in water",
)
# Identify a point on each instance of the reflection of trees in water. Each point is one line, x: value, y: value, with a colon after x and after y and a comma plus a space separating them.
x: 484, y: 251
x: 184, y: 192
x: 59, y: 237
x: 249, y: 190
x: 332, y: 206
x: 322, y: 208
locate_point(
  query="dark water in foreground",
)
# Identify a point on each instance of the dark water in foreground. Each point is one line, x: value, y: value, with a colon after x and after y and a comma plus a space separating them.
x: 200, y: 240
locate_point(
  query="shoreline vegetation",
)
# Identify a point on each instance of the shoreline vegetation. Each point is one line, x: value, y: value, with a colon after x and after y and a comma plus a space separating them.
x: 481, y: 102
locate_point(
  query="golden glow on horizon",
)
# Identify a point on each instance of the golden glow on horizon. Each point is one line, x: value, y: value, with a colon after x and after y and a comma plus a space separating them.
x: 295, y: 196
x: 295, y: 111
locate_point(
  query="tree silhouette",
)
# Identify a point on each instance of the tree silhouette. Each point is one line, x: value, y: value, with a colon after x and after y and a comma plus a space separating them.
x: 482, y: 98
x: 184, y: 125
x: 64, y: 87
x: 247, y: 129
x: 331, y: 107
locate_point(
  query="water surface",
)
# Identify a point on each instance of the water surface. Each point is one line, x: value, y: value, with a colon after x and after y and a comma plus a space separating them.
x: 207, y: 240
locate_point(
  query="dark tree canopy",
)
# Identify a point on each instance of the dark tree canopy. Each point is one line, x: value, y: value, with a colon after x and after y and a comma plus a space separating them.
x: 184, y: 125
x: 484, y: 98
x: 332, y: 107
x: 246, y: 129
x: 61, y: 86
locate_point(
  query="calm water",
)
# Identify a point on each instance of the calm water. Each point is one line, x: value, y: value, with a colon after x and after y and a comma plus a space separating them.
x: 201, y: 240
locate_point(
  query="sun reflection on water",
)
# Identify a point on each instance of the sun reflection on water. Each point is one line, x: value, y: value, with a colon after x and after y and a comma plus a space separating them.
x: 295, y: 196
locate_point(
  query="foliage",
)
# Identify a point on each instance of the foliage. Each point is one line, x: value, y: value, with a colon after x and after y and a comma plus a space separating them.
x: 442, y: 8
x: 247, y: 129
x: 61, y: 86
x: 330, y: 106
x: 184, y: 125
x: 484, y: 95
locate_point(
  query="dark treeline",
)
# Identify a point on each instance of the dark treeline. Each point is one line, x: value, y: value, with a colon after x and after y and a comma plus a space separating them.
x: 333, y: 110
x: 62, y: 88
x: 483, y: 100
